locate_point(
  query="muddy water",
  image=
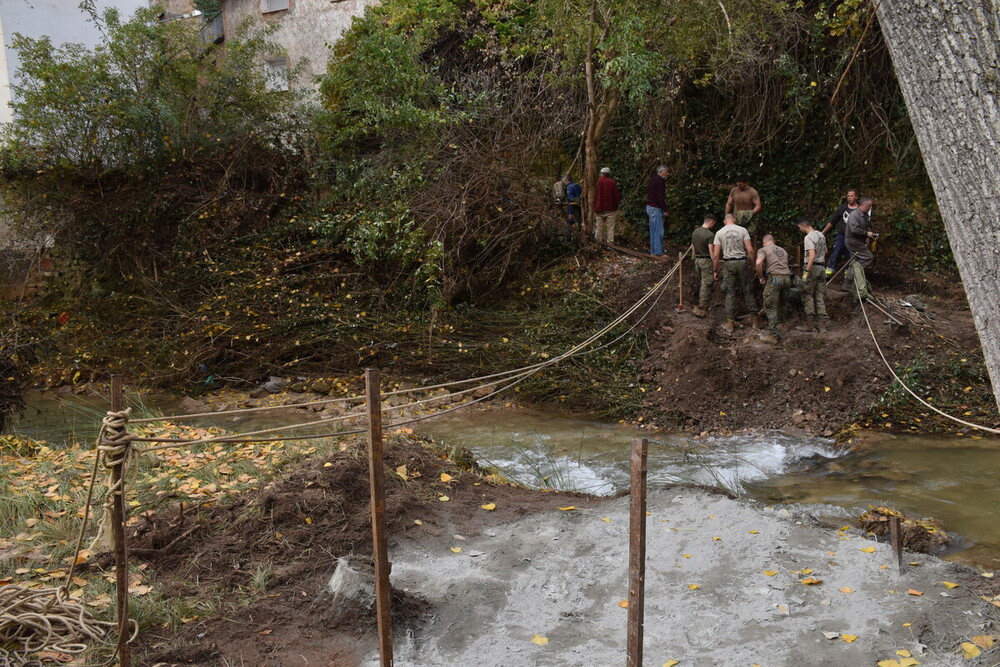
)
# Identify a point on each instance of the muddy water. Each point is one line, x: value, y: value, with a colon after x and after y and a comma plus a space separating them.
x: 951, y: 479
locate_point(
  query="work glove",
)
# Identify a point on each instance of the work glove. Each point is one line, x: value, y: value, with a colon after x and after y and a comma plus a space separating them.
x: 805, y: 276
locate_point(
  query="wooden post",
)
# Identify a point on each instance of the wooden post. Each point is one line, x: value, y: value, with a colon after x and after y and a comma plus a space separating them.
x: 376, y: 474
x: 896, y: 534
x: 798, y: 256
x: 118, y: 519
x: 637, y: 552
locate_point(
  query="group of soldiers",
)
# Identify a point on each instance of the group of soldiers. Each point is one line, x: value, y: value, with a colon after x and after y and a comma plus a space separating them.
x: 729, y: 253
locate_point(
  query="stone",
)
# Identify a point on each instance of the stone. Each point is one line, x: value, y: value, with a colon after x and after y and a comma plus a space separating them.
x: 321, y: 386
x: 190, y: 405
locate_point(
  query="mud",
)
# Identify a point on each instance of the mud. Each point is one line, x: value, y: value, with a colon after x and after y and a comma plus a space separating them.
x: 703, y: 379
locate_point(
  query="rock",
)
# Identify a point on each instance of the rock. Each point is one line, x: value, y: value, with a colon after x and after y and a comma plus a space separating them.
x: 321, y: 386
x: 297, y: 388
x: 190, y: 405
x: 915, y: 301
x: 272, y: 386
x: 483, y: 392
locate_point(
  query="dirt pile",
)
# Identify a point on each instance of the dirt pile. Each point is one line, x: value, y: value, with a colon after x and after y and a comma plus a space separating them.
x: 701, y: 378
x: 261, y: 563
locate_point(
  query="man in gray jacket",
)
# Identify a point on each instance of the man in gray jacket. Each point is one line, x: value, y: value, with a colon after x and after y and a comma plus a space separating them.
x: 857, y: 236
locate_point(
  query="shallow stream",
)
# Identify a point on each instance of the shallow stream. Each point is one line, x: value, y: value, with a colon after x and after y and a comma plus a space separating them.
x: 951, y: 479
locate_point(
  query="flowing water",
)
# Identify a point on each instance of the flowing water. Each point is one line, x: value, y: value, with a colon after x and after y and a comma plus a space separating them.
x: 951, y: 479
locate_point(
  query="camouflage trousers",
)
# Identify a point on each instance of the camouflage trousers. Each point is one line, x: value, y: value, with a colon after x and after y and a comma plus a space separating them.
x: 855, y: 282
x: 814, y: 292
x: 775, y: 294
x: 705, y: 277
x: 735, y: 278
x: 749, y: 220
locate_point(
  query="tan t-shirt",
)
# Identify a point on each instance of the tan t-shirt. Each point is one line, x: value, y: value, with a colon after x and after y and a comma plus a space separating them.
x: 744, y: 200
x: 731, y: 238
x: 815, y: 241
x: 775, y: 260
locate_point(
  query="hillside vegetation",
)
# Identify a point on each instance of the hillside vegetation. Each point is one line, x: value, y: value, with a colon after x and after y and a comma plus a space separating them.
x: 404, y: 215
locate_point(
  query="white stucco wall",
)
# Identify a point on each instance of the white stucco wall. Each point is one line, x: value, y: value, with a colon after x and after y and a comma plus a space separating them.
x: 305, y: 30
x: 61, y: 20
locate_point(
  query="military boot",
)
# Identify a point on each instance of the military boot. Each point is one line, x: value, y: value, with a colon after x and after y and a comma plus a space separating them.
x: 821, y: 324
x: 728, y: 325
x: 805, y: 326
x: 770, y: 339
x: 699, y: 311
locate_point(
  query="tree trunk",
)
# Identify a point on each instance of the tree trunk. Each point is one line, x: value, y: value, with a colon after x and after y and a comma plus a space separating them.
x: 946, y: 54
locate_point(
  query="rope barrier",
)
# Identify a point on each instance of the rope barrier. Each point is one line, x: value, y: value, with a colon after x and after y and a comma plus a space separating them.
x: 517, y: 376
x: 902, y: 384
x: 398, y: 392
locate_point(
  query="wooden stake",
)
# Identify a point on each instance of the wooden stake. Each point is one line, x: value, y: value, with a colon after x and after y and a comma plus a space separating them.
x: 637, y: 552
x: 118, y: 519
x: 798, y: 256
x: 896, y: 534
x: 376, y: 474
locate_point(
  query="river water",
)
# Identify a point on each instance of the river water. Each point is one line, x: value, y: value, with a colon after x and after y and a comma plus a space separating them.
x: 951, y: 479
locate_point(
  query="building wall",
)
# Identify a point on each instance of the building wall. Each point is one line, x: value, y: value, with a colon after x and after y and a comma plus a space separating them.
x: 60, y: 20
x: 305, y: 30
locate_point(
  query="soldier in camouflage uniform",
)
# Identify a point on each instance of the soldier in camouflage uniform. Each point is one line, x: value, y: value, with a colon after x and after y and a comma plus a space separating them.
x: 774, y: 274
x: 814, y: 278
x: 704, y: 273
x: 730, y: 250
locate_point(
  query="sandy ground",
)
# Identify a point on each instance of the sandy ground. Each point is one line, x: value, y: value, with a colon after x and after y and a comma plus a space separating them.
x: 562, y: 574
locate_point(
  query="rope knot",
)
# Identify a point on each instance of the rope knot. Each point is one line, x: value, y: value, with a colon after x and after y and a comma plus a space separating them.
x: 115, y: 438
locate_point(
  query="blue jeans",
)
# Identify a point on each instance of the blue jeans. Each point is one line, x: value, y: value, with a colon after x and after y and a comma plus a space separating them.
x: 655, y: 230
x: 839, y: 250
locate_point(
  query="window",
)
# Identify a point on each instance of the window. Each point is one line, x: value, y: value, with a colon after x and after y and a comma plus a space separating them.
x: 273, y: 5
x: 276, y: 74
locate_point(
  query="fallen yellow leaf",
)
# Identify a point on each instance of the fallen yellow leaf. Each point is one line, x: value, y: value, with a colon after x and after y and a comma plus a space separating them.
x: 717, y: 539
x: 606, y: 519
x: 456, y: 550
x: 623, y: 604
x: 903, y: 652
x: 489, y: 507
x: 868, y: 550
x: 568, y: 508
x: 671, y: 663
x: 770, y: 573
x: 950, y: 584
x: 984, y: 641
x: 540, y: 640
x: 694, y: 587
x: 445, y: 477
x: 846, y: 589
x: 888, y: 663
x: 914, y: 592
x: 755, y: 532
x: 848, y: 638
x: 970, y: 650
x: 444, y: 499
x: 685, y: 555
x: 401, y: 471
x: 811, y: 581
x: 908, y: 662
x: 418, y: 522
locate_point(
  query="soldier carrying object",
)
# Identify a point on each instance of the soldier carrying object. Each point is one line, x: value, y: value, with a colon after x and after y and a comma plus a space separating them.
x: 702, y: 239
x: 814, y: 278
x: 731, y: 248
x: 858, y: 233
x: 606, y: 205
x: 772, y: 269
x: 744, y: 203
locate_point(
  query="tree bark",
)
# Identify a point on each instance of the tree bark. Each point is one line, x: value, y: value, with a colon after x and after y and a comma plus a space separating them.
x: 946, y: 54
